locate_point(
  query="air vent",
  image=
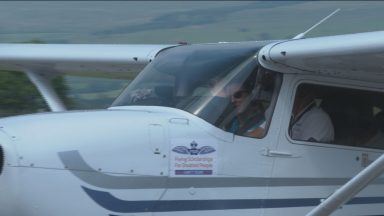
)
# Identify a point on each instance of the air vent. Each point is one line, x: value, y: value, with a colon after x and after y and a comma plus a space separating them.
x: 1, y: 159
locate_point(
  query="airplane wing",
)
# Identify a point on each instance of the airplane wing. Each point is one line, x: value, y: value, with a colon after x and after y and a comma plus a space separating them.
x: 352, y: 56
x: 41, y: 61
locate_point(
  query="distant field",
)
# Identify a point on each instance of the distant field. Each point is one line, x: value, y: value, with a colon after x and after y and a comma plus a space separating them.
x: 172, y: 21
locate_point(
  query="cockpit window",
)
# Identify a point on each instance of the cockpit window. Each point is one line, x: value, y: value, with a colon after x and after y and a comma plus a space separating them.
x: 221, y: 84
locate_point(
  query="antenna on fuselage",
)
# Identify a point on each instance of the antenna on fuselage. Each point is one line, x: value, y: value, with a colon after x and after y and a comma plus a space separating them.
x: 301, y: 35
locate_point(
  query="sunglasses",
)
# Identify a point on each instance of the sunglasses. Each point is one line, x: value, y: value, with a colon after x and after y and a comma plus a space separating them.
x: 239, y: 94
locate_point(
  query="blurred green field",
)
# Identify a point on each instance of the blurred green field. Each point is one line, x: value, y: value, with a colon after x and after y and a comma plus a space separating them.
x: 93, y: 92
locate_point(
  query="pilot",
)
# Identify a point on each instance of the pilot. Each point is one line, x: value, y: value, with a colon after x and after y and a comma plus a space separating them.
x: 249, y: 119
x: 310, y: 122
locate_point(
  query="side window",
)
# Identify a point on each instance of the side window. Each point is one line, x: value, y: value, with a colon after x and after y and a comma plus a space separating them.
x: 337, y: 115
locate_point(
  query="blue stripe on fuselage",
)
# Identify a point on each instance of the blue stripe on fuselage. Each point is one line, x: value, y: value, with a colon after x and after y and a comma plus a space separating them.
x: 111, y: 203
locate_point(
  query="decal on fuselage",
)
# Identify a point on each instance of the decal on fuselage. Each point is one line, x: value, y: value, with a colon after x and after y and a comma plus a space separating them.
x: 193, y: 157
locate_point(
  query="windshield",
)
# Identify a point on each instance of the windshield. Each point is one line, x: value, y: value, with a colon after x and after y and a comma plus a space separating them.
x: 205, y: 80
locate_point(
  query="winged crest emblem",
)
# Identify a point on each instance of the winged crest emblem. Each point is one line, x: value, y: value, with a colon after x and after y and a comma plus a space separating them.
x: 193, y: 150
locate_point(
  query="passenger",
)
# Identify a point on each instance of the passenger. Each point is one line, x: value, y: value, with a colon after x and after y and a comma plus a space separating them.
x: 310, y: 122
x: 249, y: 119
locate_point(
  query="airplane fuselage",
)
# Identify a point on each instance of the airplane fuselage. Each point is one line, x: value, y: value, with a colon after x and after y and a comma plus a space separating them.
x: 179, y: 157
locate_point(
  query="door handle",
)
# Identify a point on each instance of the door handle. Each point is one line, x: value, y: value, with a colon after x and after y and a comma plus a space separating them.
x: 272, y: 153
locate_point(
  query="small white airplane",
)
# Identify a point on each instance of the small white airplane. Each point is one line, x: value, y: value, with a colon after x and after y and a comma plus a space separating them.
x: 177, y: 140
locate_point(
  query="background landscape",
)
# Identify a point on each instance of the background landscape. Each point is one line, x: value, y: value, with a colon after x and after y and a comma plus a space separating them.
x: 157, y: 22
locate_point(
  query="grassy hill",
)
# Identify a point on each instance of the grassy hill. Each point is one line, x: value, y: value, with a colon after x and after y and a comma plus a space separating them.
x: 172, y: 21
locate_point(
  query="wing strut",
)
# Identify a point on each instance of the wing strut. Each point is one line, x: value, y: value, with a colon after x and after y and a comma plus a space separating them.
x: 350, y: 189
x: 45, y: 88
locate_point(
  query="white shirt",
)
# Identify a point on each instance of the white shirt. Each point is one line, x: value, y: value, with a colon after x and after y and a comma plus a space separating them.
x: 313, y: 124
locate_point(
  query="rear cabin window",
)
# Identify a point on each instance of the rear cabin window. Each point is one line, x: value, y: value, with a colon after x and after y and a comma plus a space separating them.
x: 339, y: 116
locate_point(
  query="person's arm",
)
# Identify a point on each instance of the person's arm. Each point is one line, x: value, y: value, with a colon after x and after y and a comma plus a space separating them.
x: 258, y: 132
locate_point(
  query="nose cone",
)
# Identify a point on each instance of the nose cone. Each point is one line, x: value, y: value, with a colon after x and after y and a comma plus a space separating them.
x: 8, y: 154
x: 8, y: 175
